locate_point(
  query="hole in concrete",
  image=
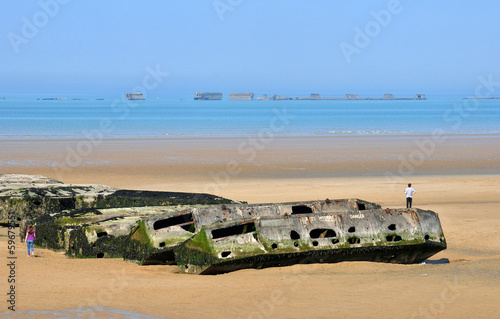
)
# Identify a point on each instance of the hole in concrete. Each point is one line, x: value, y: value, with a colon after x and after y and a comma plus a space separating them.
x: 225, y: 254
x: 274, y: 246
x: 189, y: 227
x: 315, y: 243
x: 102, y: 234
x: 296, y: 244
x: 393, y: 238
x: 162, y: 244
x: 392, y: 227
x: 294, y: 235
x: 172, y: 221
x: 352, y: 229
x: 301, y: 209
x: 354, y: 240
x: 100, y: 255
x: 427, y: 237
x: 322, y: 233
x: 335, y: 241
x: 234, y: 230
x: 361, y: 206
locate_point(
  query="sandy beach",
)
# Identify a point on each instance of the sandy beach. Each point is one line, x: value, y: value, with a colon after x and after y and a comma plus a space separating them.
x: 458, y: 177
x: 228, y: 102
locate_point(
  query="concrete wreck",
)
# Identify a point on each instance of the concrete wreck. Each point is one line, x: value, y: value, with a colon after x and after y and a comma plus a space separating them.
x: 149, y: 235
x: 89, y: 220
x: 32, y: 196
x: 391, y: 235
x: 207, y: 234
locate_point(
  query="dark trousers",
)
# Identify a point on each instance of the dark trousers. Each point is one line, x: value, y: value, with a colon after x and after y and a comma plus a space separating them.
x: 408, y: 202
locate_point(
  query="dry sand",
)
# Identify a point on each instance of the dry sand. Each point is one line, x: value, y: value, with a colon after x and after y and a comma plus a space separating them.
x: 462, y: 187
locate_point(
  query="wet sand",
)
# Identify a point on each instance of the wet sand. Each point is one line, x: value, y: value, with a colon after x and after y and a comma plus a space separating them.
x: 258, y: 156
x: 459, y: 180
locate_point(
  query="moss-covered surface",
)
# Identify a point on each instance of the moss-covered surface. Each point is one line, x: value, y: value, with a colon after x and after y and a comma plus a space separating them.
x: 140, y: 234
x: 31, y: 207
x: 196, y: 251
x: 106, y: 246
x: 49, y: 234
x: 136, y: 246
x: 140, y: 252
x: 132, y: 198
x: 69, y: 232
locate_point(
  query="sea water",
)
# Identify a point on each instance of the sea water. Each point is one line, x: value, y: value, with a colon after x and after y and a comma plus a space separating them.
x: 26, y: 117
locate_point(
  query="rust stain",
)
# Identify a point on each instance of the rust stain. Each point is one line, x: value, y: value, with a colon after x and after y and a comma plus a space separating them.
x: 415, y: 217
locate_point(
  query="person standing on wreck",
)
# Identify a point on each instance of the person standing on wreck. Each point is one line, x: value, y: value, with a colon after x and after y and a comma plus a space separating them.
x: 30, y: 238
x: 409, y: 191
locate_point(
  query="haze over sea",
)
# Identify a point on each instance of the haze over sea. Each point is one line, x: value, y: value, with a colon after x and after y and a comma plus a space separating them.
x: 25, y: 117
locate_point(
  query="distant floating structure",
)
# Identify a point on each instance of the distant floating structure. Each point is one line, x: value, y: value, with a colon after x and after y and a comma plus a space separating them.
x: 276, y: 97
x: 54, y: 99
x: 240, y: 96
x: 134, y: 96
x: 316, y: 96
x: 482, y: 98
x: 208, y: 96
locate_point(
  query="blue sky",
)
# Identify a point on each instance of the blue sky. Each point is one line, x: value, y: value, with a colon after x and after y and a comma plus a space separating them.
x: 282, y: 46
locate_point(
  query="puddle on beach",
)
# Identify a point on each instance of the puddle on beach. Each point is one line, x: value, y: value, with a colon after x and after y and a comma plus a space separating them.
x: 83, y: 313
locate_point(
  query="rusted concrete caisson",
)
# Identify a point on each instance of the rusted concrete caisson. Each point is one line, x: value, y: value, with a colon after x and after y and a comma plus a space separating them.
x: 89, y: 220
x: 149, y: 234
x: 168, y: 230
x: 204, y: 233
x: 390, y: 235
